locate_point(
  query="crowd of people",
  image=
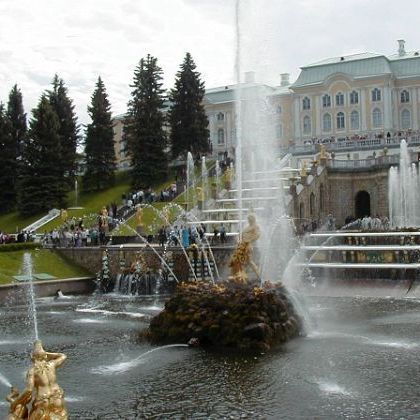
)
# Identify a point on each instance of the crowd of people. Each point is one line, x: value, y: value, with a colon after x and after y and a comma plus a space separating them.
x: 389, y: 137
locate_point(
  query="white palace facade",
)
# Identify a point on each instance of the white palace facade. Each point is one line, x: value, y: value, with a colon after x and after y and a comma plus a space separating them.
x: 347, y: 98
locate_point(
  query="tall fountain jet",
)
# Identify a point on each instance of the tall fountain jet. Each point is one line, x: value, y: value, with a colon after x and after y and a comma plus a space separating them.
x: 257, y: 148
x: 404, y: 191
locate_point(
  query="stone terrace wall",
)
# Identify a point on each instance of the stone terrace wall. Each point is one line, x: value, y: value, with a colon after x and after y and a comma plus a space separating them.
x: 91, y: 257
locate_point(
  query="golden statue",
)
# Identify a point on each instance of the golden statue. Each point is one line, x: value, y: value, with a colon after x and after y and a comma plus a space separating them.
x: 242, y: 257
x: 139, y: 216
x: 303, y: 170
x: 104, y: 218
x: 41, y: 388
x: 227, y: 178
x: 64, y: 215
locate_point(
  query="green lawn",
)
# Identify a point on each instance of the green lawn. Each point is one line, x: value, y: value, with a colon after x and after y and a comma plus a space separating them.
x: 44, y: 261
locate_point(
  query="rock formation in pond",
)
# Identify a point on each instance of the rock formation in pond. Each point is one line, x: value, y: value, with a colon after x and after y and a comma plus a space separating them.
x: 227, y: 315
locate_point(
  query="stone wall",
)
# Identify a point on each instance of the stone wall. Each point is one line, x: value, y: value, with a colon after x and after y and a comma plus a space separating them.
x: 91, y: 258
x: 333, y: 191
x: 344, y: 186
x: 16, y: 293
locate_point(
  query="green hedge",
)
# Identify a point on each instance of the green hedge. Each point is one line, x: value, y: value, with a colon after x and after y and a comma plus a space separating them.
x: 18, y: 246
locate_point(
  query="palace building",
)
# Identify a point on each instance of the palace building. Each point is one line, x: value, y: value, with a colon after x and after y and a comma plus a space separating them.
x: 365, y: 95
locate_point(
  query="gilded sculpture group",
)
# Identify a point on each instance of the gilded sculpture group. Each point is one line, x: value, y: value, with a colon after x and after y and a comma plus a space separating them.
x: 42, y: 398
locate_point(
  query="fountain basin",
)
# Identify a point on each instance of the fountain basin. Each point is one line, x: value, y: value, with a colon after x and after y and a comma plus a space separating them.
x: 227, y: 315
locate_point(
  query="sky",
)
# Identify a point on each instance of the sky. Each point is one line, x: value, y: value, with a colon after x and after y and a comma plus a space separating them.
x: 83, y: 39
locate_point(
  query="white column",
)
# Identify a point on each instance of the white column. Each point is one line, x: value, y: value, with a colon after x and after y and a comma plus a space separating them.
x: 395, y: 116
x: 296, y: 119
x: 414, y: 116
x: 363, y: 113
x: 317, y: 102
x: 387, y: 108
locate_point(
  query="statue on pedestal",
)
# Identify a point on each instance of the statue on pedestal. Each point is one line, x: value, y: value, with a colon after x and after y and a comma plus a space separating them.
x: 242, y: 257
x: 42, y: 389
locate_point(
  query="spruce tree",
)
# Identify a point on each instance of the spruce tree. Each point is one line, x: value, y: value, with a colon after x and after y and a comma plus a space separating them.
x: 143, y: 126
x: 99, y: 145
x: 68, y: 128
x: 17, y: 117
x: 7, y: 163
x: 187, y: 117
x: 41, y: 186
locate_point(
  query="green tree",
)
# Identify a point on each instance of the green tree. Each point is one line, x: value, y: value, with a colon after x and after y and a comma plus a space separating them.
x: 68, y: 128
x: 17, y: 117
x: 143, y: 128
x: 40, y: 183
x: 7, y: 163
x: 187, y: 117
x: 99, y: 142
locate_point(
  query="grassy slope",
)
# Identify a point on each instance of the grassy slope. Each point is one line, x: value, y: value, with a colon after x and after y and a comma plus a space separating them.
x: 92, y: 203
x: 44, y: 261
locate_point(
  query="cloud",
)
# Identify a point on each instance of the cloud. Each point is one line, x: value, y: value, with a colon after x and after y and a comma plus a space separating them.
x: 108, y: 38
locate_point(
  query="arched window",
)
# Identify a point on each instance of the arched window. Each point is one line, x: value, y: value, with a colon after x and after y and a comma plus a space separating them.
x: 306, y: 103
x: 321, y: 197
x: 339, y: 99
x: 312, y: 204
x: 405, y: 119
x: 326, y: 122
x: 354, y: 97
x: 278, y: 109
x: 405, y: 96
x: 377, y: 118
x: 301, y: 210
x: 340, y: 121
x: 220, y: 136
x: 326, y: 101
x: 376, y: 95
x: 306, y: 125
x: 354, y: 120
x: 220, y: 116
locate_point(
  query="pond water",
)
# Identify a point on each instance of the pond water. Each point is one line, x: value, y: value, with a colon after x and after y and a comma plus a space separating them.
x: 360, y: 359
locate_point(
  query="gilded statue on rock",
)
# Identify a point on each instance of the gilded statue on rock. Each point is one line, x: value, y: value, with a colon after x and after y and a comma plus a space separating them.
x: 42, y: 389
x: 242, y: 256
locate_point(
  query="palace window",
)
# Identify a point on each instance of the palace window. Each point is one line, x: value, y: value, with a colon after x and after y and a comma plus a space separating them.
x: 405, y: 119
x: 376, y: 95
x: 306, y: 103
x: 326, y: 122
x: 220, y: 136
x: 354, y: 120
x: 377, y: 118
x: 340, y: 121
x: 405, y: 96
x: 354, y: 97
x: 339, y: 99
x: 312, y: 204
x: 306, y: 125
x: 220, y: 116
x: 326, y: 101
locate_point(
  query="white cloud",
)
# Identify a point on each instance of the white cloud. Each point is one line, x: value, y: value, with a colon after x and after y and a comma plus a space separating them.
x: 83, y: 39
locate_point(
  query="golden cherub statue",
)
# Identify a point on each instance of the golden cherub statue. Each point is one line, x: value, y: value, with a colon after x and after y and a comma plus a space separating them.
x: 242, y: 257
x: 139, y: 216
x: 303, y: 170
x: 42, y: 389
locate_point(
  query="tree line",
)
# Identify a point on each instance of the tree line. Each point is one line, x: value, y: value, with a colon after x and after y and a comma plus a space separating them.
x: 39, y: 160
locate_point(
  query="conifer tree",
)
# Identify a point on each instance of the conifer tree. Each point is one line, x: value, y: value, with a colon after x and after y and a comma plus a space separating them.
x: 18, y: 129
x: 40, y: 183
x: 99, y: 142
x: 7, y: 163
x: 68, y: 128
x: 187, y: 117
x: 143, y: 127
